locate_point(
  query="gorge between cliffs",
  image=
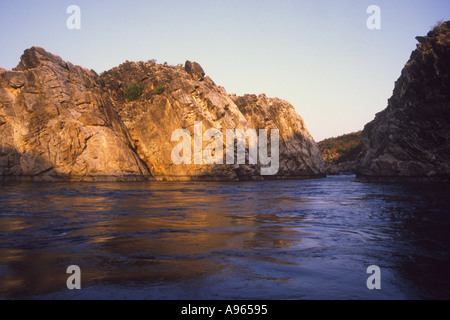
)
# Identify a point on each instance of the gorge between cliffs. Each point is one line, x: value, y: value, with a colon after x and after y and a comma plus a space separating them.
x: 88, y: 179
x: 60, y: 122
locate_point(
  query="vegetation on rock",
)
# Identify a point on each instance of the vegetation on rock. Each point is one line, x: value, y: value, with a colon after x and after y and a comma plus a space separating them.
x: 134, y: 92
x: 159, y: 89
x: 341, y: 149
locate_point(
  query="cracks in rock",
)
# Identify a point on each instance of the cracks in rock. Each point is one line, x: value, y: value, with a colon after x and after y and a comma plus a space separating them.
x: 83, y: 103
x: 139, y: 160
x: 221, y: 116
x: 43, y: 171
x: 98, y: 125
x: 75, y: 158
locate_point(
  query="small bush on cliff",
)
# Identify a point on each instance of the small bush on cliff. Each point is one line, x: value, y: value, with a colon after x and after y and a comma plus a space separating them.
x: 134, y: 92
x: 159, y: 89
x: 440, y: 27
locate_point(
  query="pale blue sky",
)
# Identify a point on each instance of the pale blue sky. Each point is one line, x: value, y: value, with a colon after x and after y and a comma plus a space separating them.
x: 318, y: 55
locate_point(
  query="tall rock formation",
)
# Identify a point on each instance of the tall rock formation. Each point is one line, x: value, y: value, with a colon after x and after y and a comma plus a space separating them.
x: 56, y: 123
x: 299, y: 151
x: 410, y: 139
x: 63, y: 122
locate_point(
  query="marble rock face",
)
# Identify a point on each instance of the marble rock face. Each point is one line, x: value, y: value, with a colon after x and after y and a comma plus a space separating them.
x: 66, y: 123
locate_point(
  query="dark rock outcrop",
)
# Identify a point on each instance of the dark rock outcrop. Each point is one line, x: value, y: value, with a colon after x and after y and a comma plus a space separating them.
x: 347, y: 167
x: 195, y: 70
x: 410, y: 139
x: 63, y: 122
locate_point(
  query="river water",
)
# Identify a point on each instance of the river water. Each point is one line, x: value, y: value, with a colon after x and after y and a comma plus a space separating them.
x: 294, y: 239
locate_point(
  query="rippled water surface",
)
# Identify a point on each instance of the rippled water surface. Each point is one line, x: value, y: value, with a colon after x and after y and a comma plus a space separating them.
x: 299, y: 239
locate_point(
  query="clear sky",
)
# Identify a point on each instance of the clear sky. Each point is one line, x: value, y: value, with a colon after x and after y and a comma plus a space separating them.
x: 318, y: 55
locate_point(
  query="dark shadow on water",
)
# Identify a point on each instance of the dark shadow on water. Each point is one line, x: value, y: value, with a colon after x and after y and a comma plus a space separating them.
x: 423, y: 230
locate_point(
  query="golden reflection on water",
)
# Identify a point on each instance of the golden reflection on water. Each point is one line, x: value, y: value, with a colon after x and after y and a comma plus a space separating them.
x: 12, y: 224
x: 149, y: 234
x: 280, y: 239
x: 24, y: 272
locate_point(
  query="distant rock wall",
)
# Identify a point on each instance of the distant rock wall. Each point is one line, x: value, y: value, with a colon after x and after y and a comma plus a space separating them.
x: 410, y: 139
x: 63, y: 122
x: 341, y: 153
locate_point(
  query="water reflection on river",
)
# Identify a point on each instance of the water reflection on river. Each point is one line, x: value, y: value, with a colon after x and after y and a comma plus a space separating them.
x: 311, y: 239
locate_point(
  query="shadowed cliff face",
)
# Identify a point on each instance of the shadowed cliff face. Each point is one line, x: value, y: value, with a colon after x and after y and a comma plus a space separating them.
x: 410, y: 139
x: 63, y: 122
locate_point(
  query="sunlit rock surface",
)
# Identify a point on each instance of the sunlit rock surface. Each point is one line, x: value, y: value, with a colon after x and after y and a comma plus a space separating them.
x: 63, y: 122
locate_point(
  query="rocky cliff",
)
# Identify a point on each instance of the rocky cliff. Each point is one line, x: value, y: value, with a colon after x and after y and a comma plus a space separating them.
x: 410, y: 139
x: 298, y: 150
x: 63, y: 122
